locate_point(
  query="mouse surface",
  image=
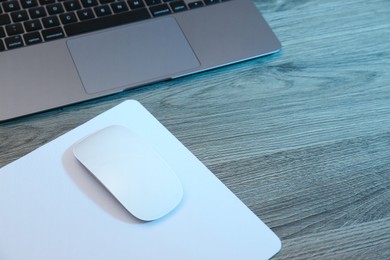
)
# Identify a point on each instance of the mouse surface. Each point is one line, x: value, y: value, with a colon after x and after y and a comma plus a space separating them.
x: 132, y: 170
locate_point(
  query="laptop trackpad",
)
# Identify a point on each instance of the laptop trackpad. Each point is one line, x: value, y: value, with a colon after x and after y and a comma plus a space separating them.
x: 133, y: 55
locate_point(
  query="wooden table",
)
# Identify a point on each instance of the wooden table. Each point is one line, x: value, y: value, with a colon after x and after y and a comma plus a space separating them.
x: 302, y: 137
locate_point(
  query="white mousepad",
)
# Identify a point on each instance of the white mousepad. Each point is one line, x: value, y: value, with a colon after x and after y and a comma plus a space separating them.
x: 52, y: 208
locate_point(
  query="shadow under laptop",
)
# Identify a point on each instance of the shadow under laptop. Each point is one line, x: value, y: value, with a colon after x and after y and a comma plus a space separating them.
x: 94, y: 190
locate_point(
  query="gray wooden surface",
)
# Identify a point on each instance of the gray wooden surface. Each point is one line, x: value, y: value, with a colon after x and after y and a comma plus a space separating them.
x: 301, y: 137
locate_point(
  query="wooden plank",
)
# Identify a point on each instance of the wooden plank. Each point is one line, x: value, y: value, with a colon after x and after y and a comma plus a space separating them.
x: 365, y: 241
x: 313, y: 189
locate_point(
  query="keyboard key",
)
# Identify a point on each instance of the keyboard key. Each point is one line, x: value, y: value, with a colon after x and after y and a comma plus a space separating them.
x: 2, y: 32
x: 159, y: 10
x: 178, y: 6
x: 19, y: 16
x: 14, y: 42
x: 54, y: 9
x: 46, y: 2
x: 85, y: 14
x: 29, y: 3
x: 103, y: 2
x: 152, y: 2
x: 196, y: 4
x: 72, y: 5
x: 4, y: 19
x: 102, y: 10
x: 89, y: 3
x: 14, y: 29
x: 119, y: 7
x: 106, y: 22
x: 37, y: 12
x: 32, y: 25
x: 32, y: 38
x: 11, y: 6
x: 2, y: 46
x: 53, y: 34
x: 210, y: 2
x: 51, y: 21
x: 135, y: 4
x: 68, y: 18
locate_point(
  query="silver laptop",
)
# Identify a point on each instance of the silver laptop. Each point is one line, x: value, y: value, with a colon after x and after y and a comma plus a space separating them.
x: 59, y: 52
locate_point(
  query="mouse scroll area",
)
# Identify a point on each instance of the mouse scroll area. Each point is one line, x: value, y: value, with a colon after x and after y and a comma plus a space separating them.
x: 132, y: 171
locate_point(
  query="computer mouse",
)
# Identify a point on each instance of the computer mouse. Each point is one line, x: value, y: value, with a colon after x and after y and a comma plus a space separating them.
x: 132, y: 171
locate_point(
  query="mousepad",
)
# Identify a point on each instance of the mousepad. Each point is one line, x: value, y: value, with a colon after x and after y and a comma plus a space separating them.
x: 52, y: 208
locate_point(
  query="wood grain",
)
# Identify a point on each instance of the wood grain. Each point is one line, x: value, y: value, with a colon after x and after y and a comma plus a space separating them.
x: 364, y: 241
x: 301, y: 137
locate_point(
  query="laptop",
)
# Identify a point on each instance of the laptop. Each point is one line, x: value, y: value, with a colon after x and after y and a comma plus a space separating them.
x: 59, y: 52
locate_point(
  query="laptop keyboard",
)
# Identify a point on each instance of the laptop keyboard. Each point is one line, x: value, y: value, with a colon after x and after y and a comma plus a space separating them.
x: 27, y: 22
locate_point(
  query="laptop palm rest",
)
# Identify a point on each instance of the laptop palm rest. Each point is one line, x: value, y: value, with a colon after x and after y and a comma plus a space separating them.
x: 132, y: 55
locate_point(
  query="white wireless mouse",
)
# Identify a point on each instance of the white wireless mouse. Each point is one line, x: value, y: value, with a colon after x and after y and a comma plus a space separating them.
x: 132, y: 170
